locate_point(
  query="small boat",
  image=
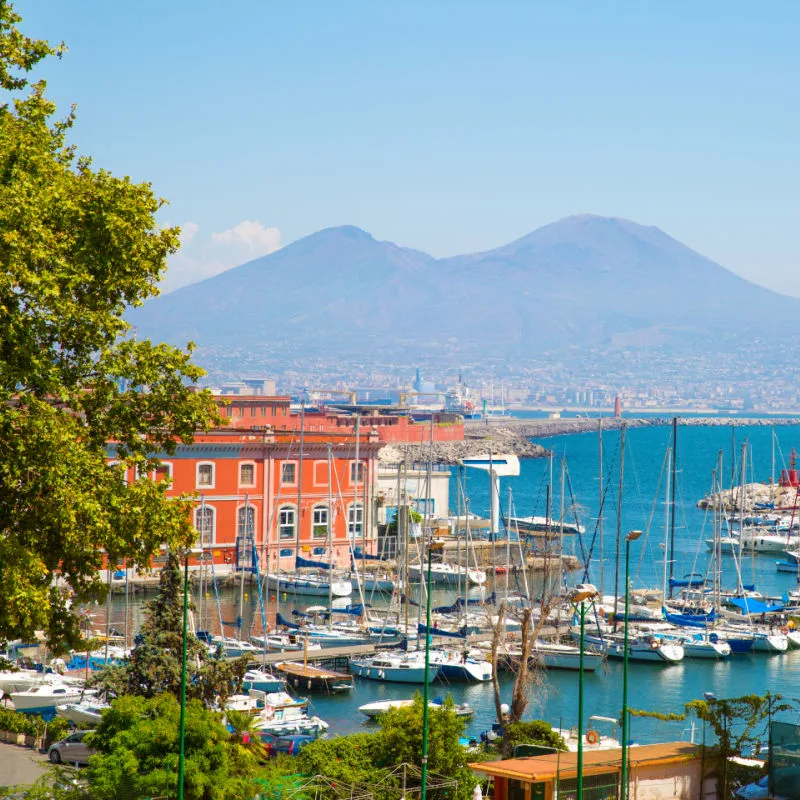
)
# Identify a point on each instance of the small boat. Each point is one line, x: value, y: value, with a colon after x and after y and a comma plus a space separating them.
x: 311, y: 585
x: 446, y: 574
x: 20, y: 680
x: 460, y: 666
x: 309, y: 678
x: 564, y: 656
x: 44, y: 698
x: 282, y: 715
x: 542, y: 525
x: 650, y: 649
x: 593, y: 739
x: 770, y: 642
x: 284, y: 643
x: 262, y: 681
x: 373, y: 710
x: 394, y: 667
x: 88, y: 711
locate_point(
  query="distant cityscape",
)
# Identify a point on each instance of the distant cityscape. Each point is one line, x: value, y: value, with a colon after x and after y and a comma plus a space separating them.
x: 590, y: 380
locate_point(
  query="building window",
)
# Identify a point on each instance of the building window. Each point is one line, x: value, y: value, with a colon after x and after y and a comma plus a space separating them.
x: 163, y: 471
x: 247, y: 474
x: 357, y: 471
x: 205, y: 475
x: 246, y: 522
x: 319, y: 529
x: 253, y: 411
x: 263, y: 411
x: 320, y: 551
x: 228, y: 411
x: 204, y: 523
x: 286, y: 552
x: 288, y: 472
x: 355, y: 521
x: 286, y: 523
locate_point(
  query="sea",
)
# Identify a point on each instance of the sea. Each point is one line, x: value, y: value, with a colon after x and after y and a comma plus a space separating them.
x: 575, y: 465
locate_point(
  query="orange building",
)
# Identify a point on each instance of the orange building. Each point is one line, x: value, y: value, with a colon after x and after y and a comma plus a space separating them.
x: 256, y: 486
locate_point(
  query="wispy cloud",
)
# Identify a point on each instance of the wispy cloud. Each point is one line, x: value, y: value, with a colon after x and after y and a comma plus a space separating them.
x: 200, y: 257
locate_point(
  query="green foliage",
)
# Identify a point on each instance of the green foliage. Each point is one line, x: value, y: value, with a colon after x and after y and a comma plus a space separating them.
x: 739, y: 726
x: 353, y: 759
x: 138, y: 744
x: 61, y: 782
x: 278, y: 779
x: 533, y: 732
x: 154, y: 667
x: 77, y: 246
x: 32, y: 725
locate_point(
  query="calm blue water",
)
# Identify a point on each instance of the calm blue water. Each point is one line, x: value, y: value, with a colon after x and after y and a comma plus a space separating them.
x: 653, y: 688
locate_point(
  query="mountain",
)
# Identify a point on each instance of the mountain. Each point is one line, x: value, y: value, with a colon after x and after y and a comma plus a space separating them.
x: 583, y: 280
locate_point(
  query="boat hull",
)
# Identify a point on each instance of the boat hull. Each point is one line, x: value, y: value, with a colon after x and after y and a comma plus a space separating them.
x: 415, y: 675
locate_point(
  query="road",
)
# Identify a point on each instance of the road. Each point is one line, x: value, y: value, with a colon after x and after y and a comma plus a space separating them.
x: 20, y: 765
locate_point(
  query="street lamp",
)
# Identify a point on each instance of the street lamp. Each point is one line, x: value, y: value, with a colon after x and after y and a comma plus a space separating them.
x: 579, y: 594
x: 631, y: 537
x: 184, y: 649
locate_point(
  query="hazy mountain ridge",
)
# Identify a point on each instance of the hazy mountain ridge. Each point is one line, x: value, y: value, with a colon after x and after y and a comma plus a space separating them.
x: 584, y: 279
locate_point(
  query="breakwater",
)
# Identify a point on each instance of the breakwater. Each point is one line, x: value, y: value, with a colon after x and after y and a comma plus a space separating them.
x: 514, y: 434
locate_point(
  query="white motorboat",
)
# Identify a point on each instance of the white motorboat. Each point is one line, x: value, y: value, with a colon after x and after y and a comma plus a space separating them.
x: 447, y: 574
x: 394, y: 667
x: 542, y: 525
x: 262, y: 681
x: 20, y: 680
x: 593, y: 739
x: 44, y: 698
x: 770, y: 642
x: 379, y: 707
x: 282, y: 715
x: 284, y: 643
x: 88, y: 711
x: 564, y: 656
x: 461, y: 666
x: 647, y: 650
x: 312, y: 585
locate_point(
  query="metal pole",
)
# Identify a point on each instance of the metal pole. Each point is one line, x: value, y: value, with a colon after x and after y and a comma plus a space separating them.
x: 672, y: 502
x: 624, y: 771
x: 426, y: 690
x: 182, y: 754
x: 579, y: 795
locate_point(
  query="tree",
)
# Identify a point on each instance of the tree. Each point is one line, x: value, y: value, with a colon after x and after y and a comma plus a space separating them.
x: 365, y: 759
x: 77, y: 247
x: 155, y: 664
x: 738, y: 723
x: 138, y: 745
x: 533, y: 732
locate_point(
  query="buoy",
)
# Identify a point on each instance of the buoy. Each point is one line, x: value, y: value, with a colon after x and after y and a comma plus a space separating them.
x: 654, y: 644
x: 591, y: 737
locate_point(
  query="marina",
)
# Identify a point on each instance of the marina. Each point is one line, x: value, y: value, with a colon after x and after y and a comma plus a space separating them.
x: 667, y: 668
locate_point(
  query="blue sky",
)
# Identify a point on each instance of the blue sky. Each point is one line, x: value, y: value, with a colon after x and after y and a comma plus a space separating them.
x: 445, y: 126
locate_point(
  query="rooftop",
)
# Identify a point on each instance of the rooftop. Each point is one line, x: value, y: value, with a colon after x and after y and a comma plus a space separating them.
x: 565, y: 765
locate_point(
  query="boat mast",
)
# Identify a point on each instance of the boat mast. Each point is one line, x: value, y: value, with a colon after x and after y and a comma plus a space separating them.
x: 667, y: 533
x: 600, y: 500
x: 330, y: 543
x: 671, y: 502
x: 743, y: 476
x: 299, y: 484
x: 619, y: 520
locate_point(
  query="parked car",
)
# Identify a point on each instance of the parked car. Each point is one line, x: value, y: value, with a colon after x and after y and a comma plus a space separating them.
x: 71, y: 750
x: 287, y: 745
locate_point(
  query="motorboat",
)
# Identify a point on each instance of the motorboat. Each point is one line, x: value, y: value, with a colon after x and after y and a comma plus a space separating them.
x: 88, y: 711
x: 394, y: 667
x: 643, y: 649
x: 314, y: 585
x: 461, y: 666
x: 262, y: 681
x: 563, y: 656
x: 44, y: 698
x: 446, y: 574
x: 373, y: 710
